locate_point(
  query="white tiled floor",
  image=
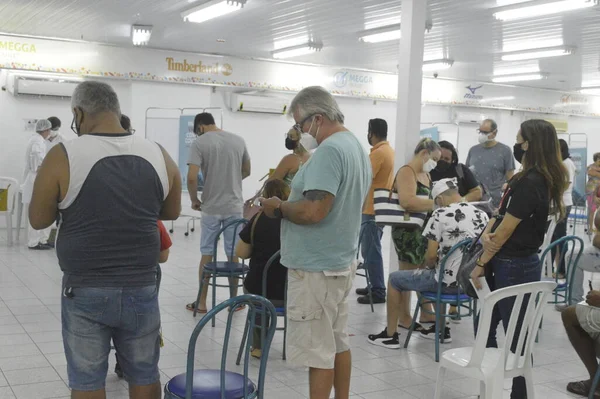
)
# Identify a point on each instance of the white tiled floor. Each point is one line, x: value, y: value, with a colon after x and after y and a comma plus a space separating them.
x: 33, y: 366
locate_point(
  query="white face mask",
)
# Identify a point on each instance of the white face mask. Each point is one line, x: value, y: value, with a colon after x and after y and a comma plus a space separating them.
x: 483, y: 138
x: 429, y: 166
x: 53, y: 133
x: 307, y: 140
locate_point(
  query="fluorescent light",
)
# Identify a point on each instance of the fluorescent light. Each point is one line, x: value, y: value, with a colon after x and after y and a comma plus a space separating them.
x: 590, y: 90
x: 517, y: 70
x: 540, y: 9
x: 296, y: 51
x: 590, y: 83
x: 436, y: 65
x: 519, y: 78
x: 520, y: 45
x: 489, y: 100
x: 381, y: 34
x: 212, y: 9
x: 140, y: 34
x: 502, y: 3
x: 537, y: 53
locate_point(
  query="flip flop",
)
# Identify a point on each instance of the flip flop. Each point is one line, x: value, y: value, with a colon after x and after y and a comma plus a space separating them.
x: 192, y: 306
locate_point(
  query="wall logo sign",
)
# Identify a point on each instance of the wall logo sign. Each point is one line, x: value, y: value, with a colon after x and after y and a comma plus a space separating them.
x: 345, y: 78
x: 471, y: 94
x: 17, y: 47
x: 573, y: 100
x: 198, y: 67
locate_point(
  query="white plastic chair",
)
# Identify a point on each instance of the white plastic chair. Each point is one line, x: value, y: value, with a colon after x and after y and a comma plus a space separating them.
x: 13, y: 188
x: 492, y: 365
x: 551, y: 226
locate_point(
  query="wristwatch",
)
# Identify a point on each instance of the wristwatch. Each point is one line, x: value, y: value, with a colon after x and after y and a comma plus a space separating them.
x: 277, y: 212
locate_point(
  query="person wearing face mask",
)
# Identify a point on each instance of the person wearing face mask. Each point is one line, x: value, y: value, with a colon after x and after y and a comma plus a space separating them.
x: 413, y: 185
x: 492, y: 162
x: 448, y: 167
x: 109, y: 189
x: 510, y: 254
x: 453, y: 222
x: 319, y: 240
x: 224, y: 161
x: 34, y: 156
x: 382, y: 163
x: 290, y: 164
x: 55, y: 136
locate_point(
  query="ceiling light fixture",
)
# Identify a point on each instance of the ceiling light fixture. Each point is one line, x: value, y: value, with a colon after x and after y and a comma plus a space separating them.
x: 212, y: 9
x: 538, y: 8
x: 140, y: 34
x: 491, y: 99
x: 386, y: 33
x: 296, y: 51
x: 534, y: 53
x: 590, y: 90
x: 437, y: 65
x: 519, y: 78
x: 517, y: 70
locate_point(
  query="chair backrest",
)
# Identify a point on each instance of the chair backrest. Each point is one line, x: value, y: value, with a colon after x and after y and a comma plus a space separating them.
x: 572, y: 248
x: 522, y: 327
x: 13, y: 189
x: 270, y: 262
x: 237, y: 226
x: 458, y: 247
x: 550, y: 227
x: 256, y: 304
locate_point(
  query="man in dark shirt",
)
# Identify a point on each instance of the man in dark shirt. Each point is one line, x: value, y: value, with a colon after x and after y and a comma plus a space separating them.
x: 109, y: 188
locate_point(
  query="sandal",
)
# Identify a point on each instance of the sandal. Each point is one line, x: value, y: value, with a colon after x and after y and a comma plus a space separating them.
x: 192, y: 306
x: 240, y: 307
x: 581, y: 388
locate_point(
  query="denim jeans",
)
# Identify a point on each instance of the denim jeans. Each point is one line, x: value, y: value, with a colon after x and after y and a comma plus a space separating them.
x: 503, y: 272
x: 371, y: 253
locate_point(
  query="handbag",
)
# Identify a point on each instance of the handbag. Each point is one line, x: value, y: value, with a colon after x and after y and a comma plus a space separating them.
x: 471, y: 253
x: 389, y: 212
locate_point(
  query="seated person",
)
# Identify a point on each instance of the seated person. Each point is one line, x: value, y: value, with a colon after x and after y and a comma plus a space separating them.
x: 259, y: 241
x: 452, y: 223
x: 448, y: 167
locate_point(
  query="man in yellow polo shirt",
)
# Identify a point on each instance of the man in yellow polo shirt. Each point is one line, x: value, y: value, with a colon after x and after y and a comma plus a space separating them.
x: 382, y: 162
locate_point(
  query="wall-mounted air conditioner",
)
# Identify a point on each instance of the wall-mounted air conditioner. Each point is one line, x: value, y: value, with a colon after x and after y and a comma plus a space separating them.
x: 560, y: 126
x: 42, y: 85
x: 469, y: 117
x: 261, y: 104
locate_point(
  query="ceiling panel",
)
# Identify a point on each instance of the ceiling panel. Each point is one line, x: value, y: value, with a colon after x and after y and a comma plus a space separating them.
x: 463, y: 30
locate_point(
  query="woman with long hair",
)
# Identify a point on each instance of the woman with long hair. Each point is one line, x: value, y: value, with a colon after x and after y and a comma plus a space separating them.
x: 510, y: 254
x: 413, y: 185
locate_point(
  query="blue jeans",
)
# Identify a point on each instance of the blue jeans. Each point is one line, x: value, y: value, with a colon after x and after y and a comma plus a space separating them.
x: 371, y: 253
x: 420, y: 280
x: 91, y: 317
x: 504, y: 272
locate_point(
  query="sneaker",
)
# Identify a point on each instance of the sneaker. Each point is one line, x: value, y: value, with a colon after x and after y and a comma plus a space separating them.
x: 364, y: 300
x: 382, y: 339
x: 40, y: 247
x: 430, y: 334
x: 362, y: 291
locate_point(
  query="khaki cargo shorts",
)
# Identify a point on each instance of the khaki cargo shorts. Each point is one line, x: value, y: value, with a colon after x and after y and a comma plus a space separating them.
x: 317, y: 312
x: 589, y: 319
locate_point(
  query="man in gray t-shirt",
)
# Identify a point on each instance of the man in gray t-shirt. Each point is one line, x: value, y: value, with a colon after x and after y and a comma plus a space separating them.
x: 492, y: 162
x: 224, y: 161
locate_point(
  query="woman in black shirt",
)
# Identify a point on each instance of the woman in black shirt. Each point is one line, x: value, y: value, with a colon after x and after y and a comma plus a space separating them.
x: 448, y: 167
x: 511, y: 252
x: 259, y: 241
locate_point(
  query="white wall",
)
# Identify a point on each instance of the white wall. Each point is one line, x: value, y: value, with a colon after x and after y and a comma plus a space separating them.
x: 264, y: 134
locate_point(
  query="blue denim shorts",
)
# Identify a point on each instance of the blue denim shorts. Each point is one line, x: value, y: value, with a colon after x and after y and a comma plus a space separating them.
x: 91, y: 317
x: 420, y: 280
x: 210, y: 225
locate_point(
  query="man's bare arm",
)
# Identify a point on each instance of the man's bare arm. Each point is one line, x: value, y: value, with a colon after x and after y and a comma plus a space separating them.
x: 46, y: 189
x: 315, y: 207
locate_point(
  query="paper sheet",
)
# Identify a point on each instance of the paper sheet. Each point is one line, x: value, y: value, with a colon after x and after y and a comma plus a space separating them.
x: 482, y: 293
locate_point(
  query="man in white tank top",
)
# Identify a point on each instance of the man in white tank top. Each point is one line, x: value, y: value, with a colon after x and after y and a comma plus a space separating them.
x: 108, y: 188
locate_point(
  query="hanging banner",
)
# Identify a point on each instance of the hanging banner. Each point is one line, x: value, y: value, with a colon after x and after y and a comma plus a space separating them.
x: 430, y: 133
x: 134, y: 63
x: 579, y: 158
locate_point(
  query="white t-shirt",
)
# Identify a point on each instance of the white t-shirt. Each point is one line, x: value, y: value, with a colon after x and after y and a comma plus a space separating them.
x: 568, y: 194
x: 450, y: 225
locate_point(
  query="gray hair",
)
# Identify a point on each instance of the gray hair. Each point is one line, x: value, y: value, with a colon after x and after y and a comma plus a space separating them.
x: 95, y: 97
x: 316, y: 100
x: 427, y: 144
x: 493, y: 124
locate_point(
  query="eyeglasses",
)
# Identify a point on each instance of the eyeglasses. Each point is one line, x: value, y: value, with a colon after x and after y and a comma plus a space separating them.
x: 298, y: 126
x: 484, y: 132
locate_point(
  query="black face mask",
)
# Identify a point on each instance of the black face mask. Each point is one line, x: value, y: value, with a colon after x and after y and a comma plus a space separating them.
x: 518, y: 152
x: 443, y: 166
x: 290, y: 144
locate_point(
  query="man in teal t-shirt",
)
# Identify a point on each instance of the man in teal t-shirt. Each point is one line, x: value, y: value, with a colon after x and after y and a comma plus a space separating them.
x: 319, y: 240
